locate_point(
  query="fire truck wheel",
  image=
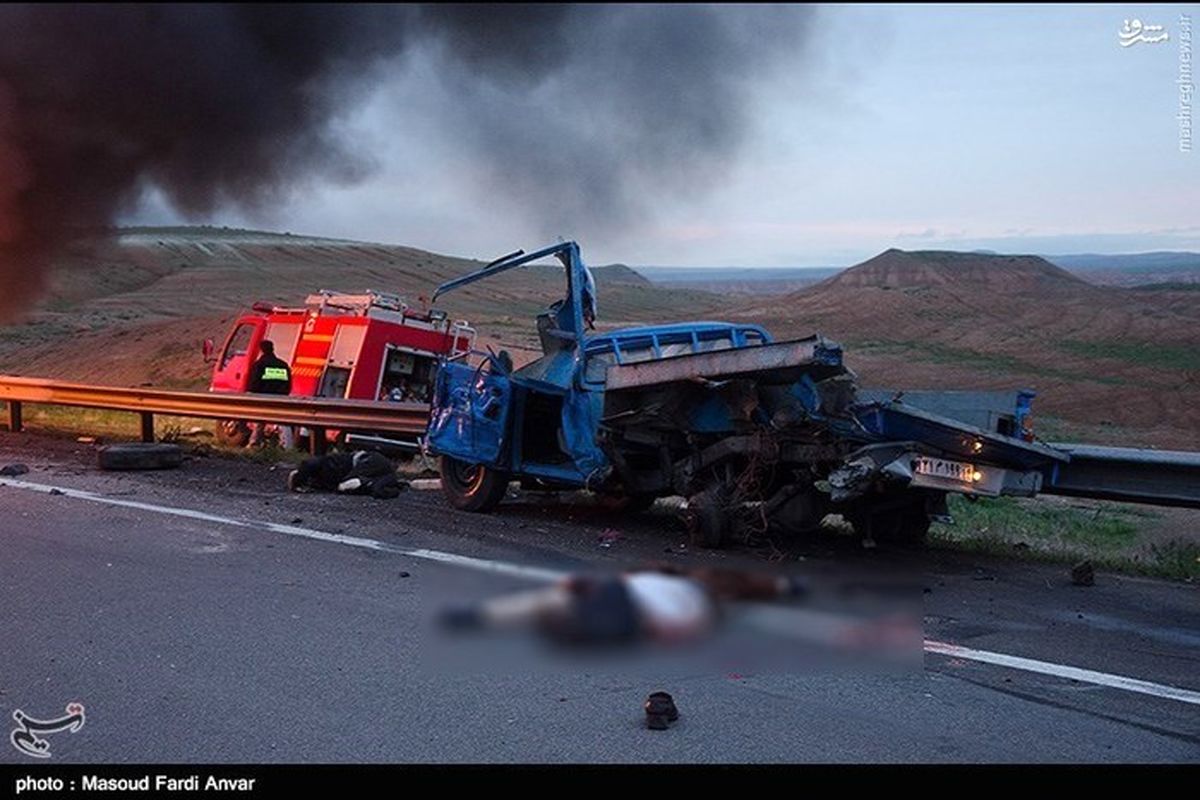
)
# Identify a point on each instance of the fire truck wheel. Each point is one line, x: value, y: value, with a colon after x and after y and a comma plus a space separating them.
x: 232, y: 432
x: 140, y: 456
x: 472, y: 487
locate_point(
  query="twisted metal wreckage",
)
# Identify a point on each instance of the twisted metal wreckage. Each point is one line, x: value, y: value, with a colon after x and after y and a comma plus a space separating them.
x: 756, y: 434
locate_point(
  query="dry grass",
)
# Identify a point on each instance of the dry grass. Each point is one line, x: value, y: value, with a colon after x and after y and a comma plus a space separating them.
x: 1115, y: 536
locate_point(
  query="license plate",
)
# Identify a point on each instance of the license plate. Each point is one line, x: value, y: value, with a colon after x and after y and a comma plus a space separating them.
x: 940, y: 468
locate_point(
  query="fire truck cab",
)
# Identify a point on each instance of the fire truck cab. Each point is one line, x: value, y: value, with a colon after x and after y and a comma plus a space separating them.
x: 366, y: 346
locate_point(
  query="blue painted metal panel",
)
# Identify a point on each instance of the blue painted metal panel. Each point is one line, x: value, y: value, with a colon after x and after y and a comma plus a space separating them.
x: 898, y: 422
x: 676, y: 333
x: 553, y: 373
x: 470, y: 414
x: 581, y: 419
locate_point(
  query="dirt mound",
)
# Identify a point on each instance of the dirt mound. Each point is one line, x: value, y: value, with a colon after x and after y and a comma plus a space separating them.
x: 620, y: 273
x: 1103, y: 359
x: 894, y: 269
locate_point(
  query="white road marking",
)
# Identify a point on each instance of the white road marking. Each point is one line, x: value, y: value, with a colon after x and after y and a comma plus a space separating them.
x: 547, y: 575
x: 486, y: 565
x: 1063, y: 671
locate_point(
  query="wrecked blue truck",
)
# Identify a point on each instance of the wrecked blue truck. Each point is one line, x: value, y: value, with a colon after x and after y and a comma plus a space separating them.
x: 756, y: 435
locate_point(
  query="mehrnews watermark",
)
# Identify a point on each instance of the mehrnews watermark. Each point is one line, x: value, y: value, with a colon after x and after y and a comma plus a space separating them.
x: 1134, y: 32
x: 1187, y: 89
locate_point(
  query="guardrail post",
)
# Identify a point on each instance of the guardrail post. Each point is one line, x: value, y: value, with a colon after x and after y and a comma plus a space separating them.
x: 147, y: 426
x: 14, y: 416
x: 316, y: 441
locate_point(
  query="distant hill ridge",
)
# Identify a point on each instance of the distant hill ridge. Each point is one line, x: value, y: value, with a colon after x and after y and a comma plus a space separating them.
x: 898, y: 269
x: 1128, y: 269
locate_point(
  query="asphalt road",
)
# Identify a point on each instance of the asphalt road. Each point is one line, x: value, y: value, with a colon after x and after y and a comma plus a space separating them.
x: 191, y: 639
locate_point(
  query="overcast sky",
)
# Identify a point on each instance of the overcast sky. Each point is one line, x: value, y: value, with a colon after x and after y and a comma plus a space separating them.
x: 1014, y: 128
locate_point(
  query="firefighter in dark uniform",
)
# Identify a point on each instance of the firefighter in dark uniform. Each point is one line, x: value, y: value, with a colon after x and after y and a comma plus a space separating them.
x: 270, y: 375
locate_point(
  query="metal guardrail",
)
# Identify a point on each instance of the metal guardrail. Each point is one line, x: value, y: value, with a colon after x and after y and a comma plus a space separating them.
x: 1127, y: 474
x: 1132, y: 475
x: 1124, y: 474
x: 316, y: 413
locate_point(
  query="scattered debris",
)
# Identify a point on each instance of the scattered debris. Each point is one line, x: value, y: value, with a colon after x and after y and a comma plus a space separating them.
x: 1083, y: 574
x: 660, y: 711
x: 196, y: 431
x: 12, y: 470
x: 608, y: 537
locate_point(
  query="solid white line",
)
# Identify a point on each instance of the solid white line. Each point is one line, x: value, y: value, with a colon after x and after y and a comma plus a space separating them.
x: 1063, y: 671
x: 487, y: 565
x: 482, y: 564
x: 548, y: 575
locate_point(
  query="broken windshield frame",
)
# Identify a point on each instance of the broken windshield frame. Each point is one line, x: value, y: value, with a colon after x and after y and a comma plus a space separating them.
x: 572, y: 317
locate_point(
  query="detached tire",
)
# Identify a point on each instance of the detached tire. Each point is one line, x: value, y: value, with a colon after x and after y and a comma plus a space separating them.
x: 472, y: 487
x: 140, y: 456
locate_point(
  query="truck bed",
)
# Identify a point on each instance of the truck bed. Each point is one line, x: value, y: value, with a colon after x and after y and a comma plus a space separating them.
x: 778, y: 363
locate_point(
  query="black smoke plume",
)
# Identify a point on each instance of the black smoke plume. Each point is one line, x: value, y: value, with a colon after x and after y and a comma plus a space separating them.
x: 573, y: 109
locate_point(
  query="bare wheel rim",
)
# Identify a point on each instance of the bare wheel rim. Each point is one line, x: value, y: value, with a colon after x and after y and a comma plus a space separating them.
x: 468, y: 475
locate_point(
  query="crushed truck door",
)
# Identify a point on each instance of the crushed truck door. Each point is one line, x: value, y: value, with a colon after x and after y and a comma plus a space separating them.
x: 470, y: 412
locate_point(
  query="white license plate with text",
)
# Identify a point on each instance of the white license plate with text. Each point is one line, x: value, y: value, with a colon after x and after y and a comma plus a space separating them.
x: 941, y: 468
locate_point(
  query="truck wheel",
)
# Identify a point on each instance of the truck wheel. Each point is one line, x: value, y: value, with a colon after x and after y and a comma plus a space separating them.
x: 472, y: 487
x: 140, y: 456
x: 233, y: 432
x: 707, y: 518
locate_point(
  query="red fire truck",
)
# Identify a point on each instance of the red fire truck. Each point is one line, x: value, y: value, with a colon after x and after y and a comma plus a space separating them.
x: 365, y: 346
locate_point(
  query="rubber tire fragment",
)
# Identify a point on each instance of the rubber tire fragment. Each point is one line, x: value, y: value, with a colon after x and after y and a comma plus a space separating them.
x: 140, y: 455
